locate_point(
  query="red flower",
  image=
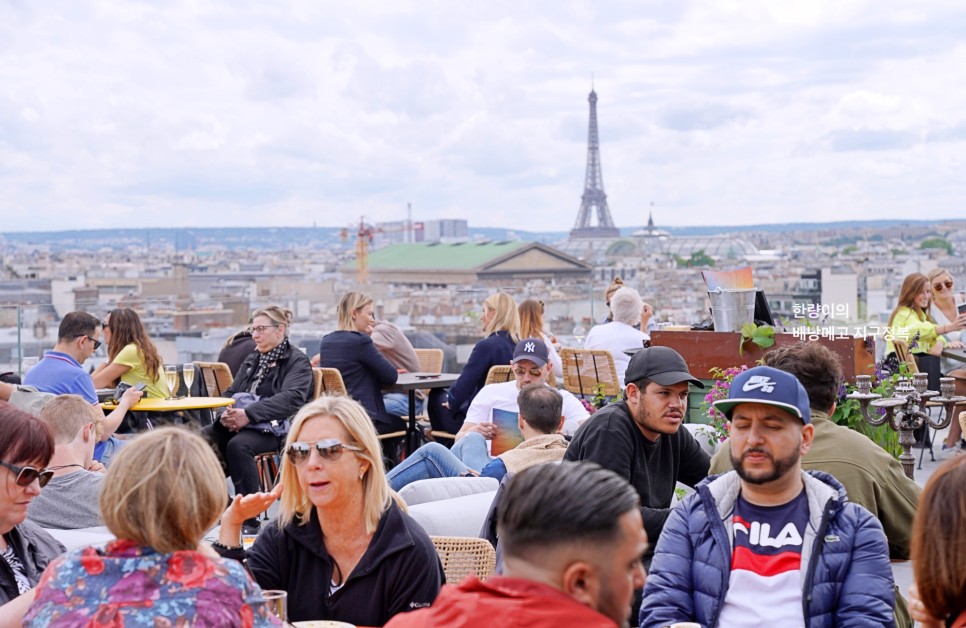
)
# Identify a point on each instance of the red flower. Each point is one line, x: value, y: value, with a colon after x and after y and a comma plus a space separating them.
x: 190, y: 568
x: 91, y: 561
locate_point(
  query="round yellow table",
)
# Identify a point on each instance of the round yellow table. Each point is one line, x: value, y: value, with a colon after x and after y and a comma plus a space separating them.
x: 171, y: 405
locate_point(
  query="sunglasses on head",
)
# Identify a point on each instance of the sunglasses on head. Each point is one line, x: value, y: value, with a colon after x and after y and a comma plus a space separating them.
x: 948, y: 284
x: 329, y: 450
x: 26, y: 475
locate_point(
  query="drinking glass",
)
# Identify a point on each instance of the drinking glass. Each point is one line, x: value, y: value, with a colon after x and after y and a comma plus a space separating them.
x: 188, y: 373
x: 171, y: 377
x: 579, y: 334
x: 29, y: 363
x: 277, y: 601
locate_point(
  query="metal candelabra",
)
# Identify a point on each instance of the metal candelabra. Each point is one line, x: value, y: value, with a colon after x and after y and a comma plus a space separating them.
x: 905, y: 410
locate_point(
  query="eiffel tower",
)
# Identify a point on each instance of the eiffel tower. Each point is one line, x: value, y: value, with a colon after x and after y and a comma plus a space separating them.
x: 594, y: 200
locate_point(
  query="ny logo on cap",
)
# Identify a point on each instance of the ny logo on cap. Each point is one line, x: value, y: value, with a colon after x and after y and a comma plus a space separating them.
x: 529, y: 347
x: 759, y: 381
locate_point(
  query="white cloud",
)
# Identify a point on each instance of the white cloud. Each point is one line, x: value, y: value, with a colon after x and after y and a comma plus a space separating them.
x: 247, y: 113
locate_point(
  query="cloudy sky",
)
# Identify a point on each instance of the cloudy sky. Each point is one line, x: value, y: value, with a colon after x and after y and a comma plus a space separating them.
x: 294, y: 112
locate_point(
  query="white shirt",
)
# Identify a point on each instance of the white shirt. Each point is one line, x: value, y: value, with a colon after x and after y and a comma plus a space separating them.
x: 614, y: 337
x: 503, y: 396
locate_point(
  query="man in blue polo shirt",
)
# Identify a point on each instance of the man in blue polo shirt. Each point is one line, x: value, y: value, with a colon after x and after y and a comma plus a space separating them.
x: 60, y: 372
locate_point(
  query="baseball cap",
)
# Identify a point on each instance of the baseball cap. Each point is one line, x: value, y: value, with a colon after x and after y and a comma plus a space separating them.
x: 770, y: 386
x: 532, y: 349
x: 662, y: 365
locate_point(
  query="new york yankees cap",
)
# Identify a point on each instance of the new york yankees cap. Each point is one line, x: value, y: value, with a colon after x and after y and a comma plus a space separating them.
x: 770, y: 386
x: 532, y: 349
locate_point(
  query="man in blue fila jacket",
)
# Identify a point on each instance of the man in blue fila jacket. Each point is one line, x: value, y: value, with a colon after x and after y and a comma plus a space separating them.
x: 767, y: 543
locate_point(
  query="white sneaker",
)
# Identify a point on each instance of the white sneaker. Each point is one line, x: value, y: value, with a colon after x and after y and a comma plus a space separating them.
x: 948, y: 452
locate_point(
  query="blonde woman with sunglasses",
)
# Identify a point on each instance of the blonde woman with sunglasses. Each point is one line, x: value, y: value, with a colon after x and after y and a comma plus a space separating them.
x: 945, y: 310
x: 343, y: 546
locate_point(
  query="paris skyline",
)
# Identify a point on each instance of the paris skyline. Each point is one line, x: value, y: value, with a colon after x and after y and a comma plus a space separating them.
x: 200, y: 114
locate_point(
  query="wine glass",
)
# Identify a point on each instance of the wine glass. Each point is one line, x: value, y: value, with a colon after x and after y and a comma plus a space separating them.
x: 188, y: 373
x: 171, y: 377
x: 579, y: 334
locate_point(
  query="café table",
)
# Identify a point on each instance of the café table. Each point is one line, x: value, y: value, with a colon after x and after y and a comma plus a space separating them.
x: 955, y: 354
x: 411, y: 382
x: 154, y: 404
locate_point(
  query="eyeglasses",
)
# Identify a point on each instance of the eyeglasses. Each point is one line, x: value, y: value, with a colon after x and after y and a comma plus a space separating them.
x: 520, y: 372
x: 105, y: 325
x: 26, y: 475
x: 261, y: 329
x: 97, y: 343
x: 329, y: 450
x: 938, y: 287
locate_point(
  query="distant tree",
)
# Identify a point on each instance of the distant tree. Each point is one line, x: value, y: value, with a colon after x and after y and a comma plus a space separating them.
x: 699, y: 258
x: 937, y: 243
x: 850, y: 249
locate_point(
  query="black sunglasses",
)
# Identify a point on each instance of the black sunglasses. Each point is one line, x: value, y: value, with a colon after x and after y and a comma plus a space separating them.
x: 97, y: 343
x: 329, y: 450
x: 26, y: 475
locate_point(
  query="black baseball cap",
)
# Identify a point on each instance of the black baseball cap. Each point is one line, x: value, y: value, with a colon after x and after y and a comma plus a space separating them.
x: 661, y: 365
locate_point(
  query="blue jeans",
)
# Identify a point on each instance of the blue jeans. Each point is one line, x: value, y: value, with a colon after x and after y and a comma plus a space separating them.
x: 472, y: 451
x: 397, y: 404
x: 105, y: 450
x: 432, y: 460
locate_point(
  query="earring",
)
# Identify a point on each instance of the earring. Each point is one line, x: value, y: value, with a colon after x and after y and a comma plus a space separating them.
x: 361, y: 476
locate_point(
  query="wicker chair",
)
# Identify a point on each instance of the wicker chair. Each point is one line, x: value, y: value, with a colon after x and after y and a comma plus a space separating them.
x: 430, y: 360
x: 328, y: 381
x: 589, y: 372
x: 217, y: 377
x: 462, y: 556
x: 498, y: 374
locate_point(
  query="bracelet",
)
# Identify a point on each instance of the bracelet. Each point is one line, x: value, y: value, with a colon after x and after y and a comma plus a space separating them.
x: 222, y: 546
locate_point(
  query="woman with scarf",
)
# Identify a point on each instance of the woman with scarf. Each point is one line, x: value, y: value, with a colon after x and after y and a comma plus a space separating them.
x: 272, y: 384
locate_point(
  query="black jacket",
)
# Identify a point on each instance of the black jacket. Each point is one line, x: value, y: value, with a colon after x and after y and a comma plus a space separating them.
x: 400, y: 571
x: 364, y: 370
x: 285, y: 389
x: 35, y: 548
x: 612, y: 439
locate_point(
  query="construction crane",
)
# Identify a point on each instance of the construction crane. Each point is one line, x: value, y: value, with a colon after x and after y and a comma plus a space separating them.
x: 364, y: 237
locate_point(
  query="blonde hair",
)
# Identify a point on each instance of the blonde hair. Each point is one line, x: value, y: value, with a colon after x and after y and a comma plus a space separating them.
x: 351, y: 302
x: 278, y: 315
x: 531, y: 319
x: 163, y: 490
x: 505, y: 318
x: 615, y: 285
x: 66, y: 415
x: 375, y: 488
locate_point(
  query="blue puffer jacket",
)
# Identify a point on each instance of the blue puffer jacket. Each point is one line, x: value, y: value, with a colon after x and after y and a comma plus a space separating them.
x: 845, y: 573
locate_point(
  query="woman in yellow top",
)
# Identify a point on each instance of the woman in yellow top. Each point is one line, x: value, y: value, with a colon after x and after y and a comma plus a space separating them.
x: 132, y: 357
x: 912, y: 321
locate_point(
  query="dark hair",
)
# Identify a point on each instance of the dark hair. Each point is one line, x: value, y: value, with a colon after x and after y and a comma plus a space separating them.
x: 127, y: 328
x: 641, y: 383
x: 939, y: 540
x: 541, y: 407
x: 817, y: 368
x: 24, y: 438
x: 76, y: 324
x: 550, y: 505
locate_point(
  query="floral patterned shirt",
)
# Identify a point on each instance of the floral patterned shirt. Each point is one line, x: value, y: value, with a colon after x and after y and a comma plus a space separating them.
x: 126, y: 584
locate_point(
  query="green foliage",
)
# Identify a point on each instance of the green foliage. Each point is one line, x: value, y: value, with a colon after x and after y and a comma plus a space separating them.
x: 763, y: 336
x: 848, y: 412
x: 698, y: 259
x: 937, y: 243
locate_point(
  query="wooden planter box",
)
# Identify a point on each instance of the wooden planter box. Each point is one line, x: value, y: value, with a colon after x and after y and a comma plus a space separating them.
x: 704, y: 350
